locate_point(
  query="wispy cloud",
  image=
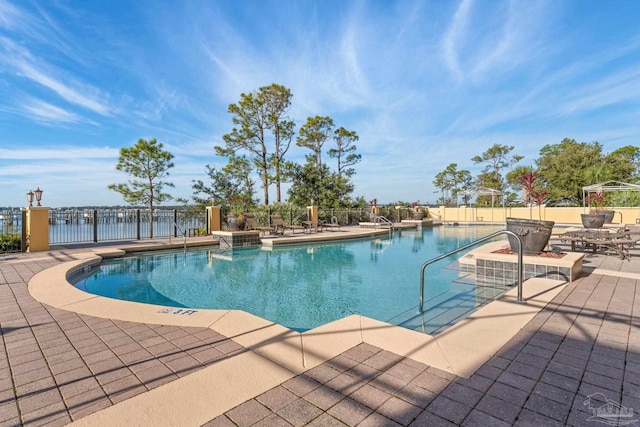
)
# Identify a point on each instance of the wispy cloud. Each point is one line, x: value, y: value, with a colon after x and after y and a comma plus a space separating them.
x: 75, y: 95
x: 514, y: 40
x: 617, y: 88
x: 69, y: 152
x: 454, y: 36
x: 60, y: 82
x: 47, y: 113
x: 11, y: 17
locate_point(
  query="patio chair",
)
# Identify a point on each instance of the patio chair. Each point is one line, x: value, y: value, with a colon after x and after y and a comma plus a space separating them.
x: 582, y: 238
x: 279, y: 226
x: 631, y: 229
x: 617, y: 244
x: 334, y: 224
x: 252, y: 224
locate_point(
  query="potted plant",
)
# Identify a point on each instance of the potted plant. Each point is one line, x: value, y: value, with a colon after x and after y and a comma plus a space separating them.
x: 597, y: 202
x: 534, y: 234
x: 235, y: 217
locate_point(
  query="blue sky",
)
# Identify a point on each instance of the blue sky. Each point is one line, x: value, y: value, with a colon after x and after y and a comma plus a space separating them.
x: 423, y: 83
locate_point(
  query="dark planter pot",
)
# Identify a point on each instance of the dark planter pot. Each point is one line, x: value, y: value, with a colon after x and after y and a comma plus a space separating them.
x: 418, y: 215
x: 593, y: 220
x: 233, y: 222
x: 608, y: 215
x: 534, y: 234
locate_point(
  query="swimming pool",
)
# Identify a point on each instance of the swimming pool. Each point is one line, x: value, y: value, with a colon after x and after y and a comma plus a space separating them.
x: 303, y: 287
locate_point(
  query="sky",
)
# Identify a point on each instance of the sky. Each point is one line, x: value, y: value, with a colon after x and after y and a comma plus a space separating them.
x: 423, y: 83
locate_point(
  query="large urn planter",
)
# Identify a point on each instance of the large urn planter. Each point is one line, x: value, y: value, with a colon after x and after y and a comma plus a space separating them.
x: 418, y: 215
x: 534, y: 234
x: 595, y: 220
x: 608, y: 215
x: 235, y: 222
x: 232, y: 222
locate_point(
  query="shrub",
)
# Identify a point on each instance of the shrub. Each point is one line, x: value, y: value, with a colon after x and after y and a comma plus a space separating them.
x: 10, y: 243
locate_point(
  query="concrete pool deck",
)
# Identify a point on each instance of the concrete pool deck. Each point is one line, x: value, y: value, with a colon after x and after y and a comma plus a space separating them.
x: 71, y: 357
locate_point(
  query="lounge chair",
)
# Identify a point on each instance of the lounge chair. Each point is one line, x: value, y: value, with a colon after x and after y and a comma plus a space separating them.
x: 581, y: 237
x: 279, y: 226
x: 617, y: 243
x: 631, y: 229
x: 332, y: 225
x: 252, y: 224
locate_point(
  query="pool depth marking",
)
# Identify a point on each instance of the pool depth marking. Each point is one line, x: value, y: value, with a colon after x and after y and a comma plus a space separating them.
x: 177, y: 311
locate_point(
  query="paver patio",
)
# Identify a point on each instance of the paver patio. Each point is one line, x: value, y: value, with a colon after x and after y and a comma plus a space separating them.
x: 57, y: 366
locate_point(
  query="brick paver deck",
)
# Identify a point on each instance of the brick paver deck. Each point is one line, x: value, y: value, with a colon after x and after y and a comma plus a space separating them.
x: 57, y: 366
x: 585, y: 343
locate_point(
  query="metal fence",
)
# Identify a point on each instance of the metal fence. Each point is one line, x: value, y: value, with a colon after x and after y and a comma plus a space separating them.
x: 83, y: 225
x: 347, y: 216
x: 10, y: 230
x: 94, y: 225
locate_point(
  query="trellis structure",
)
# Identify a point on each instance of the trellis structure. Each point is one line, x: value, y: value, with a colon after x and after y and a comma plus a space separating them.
x: 483, y: 191
x: 607, y: 187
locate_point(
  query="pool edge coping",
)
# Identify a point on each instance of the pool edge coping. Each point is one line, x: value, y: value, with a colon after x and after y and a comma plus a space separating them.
x: 460, y: 350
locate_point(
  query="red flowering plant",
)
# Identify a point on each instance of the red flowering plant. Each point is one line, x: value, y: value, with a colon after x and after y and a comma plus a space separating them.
x: 416, y: 205
x: 533, y: 193
x: 596, y: 200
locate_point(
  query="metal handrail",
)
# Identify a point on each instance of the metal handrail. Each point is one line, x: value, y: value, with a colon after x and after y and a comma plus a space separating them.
x: 184, y: 234
x: 462, y: 248
x: 385, y: 220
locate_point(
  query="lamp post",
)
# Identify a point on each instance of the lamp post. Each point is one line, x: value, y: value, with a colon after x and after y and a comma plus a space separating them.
x: 35, y: 224
x: 38, y: 194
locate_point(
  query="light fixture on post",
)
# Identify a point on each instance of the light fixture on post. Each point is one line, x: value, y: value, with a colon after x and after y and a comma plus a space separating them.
x: 30, y: 198
x: 38, y: 194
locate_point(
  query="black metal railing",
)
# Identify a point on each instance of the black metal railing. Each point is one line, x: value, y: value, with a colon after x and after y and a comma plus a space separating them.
x: 94, y: 225
x: 83, y: 225
x: 10, y: 230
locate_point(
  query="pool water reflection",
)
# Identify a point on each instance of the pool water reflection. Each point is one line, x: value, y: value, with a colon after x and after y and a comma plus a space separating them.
x: 299, y: 287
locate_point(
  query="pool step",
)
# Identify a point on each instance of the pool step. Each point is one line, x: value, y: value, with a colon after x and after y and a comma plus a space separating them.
x: 441, y: 311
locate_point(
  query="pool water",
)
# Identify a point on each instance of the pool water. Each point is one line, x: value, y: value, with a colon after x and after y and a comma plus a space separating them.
x: 307, y: 286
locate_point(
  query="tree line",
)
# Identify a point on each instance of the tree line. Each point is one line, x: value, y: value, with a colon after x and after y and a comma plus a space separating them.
x: 262, y: 135
x: 561, y: 169
x: 258, y: 143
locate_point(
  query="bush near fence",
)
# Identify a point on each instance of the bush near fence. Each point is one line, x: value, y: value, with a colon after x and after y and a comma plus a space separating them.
x: 347, y: 216
x: 10, y: 243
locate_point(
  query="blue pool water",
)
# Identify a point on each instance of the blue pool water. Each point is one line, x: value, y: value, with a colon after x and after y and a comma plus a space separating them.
x: 302, y: 287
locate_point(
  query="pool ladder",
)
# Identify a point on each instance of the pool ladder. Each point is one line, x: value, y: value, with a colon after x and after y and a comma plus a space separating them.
x: 384, y: 221
x: 470, y: 245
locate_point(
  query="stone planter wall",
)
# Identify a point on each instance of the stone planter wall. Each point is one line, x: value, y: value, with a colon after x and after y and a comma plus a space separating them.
x: 502, y: 269
x: 237, y: 239
x: 506, y: 272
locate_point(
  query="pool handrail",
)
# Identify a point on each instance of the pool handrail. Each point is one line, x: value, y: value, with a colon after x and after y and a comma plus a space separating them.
x: 184, y: 234
x: 379, y: 219
x: 474, y: 243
